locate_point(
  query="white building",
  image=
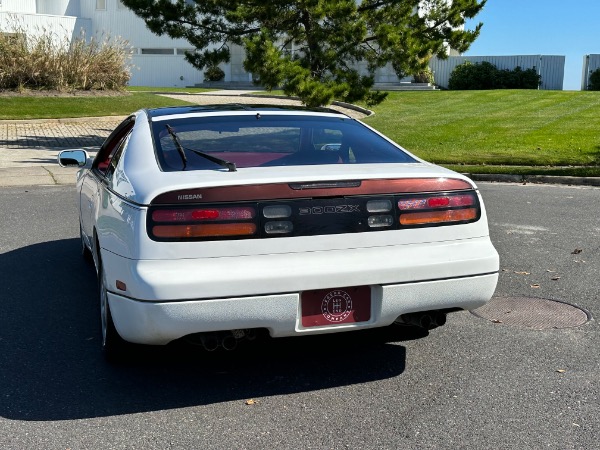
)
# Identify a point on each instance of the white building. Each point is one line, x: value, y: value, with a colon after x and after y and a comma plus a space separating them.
x: 156, y: 61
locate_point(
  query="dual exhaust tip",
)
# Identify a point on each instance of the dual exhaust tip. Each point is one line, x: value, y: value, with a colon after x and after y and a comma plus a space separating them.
x: 425, y: 319
x: 227, y: 340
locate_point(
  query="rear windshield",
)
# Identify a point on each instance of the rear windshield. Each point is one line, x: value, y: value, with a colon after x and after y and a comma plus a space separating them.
x: 258, y: 141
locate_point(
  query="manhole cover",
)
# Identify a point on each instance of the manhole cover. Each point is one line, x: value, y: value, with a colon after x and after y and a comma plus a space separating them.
x: 536, y: 313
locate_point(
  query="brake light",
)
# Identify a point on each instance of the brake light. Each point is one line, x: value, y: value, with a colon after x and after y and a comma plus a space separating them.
x: 203, y: 214
x: 438, y: 209
x: 202, y: 223
x: 451, y: 200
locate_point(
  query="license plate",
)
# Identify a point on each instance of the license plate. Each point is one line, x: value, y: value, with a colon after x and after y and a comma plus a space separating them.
x: 325, y: 307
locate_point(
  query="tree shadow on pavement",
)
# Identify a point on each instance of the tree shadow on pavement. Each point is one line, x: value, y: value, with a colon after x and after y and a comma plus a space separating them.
x: 52, y: 367
x: 50, y: 141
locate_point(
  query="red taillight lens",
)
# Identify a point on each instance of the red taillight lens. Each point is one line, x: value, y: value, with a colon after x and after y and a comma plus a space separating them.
x: 203, y: 222
x: 204, y: 214
x: 438, y: 209
x: 203, y: 231
x: 448, y: 201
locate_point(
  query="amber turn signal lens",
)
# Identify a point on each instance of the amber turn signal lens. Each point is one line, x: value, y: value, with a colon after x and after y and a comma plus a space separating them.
x: 207, y: 230
x: 438, y: 217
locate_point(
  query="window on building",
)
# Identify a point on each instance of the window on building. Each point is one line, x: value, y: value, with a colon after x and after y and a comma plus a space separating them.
x: 181, y: 51
x: 157, y: 51
x: 120, y: 5
x: 101, y: 5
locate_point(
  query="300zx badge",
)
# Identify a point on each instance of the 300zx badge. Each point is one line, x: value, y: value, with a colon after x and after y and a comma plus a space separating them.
x: 338, y: 209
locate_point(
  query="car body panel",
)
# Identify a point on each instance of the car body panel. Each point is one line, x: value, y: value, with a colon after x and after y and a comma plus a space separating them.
x: 214, y: 277
x: 160, y: 291
x: 160, y: 323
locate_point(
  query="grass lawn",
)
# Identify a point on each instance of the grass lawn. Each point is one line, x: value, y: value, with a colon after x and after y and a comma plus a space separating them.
x: 516, y: 128
x: 50, y: 107
x: 502, y: 131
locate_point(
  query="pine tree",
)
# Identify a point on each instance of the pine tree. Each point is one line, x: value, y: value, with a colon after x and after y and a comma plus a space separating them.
x: 318, y: 50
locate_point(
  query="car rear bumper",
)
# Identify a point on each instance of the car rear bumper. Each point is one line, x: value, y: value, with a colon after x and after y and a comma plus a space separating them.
x: 162, y: 300
x: 161, y: 322
x: 163, y: 280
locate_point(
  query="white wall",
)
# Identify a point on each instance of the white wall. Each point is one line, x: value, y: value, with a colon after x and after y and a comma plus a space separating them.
x: 124, y: 23
x: 590, y: 64
x: 58, y: 7
x: 36, y: 24
x: 163, y: 70
x: 21, y: 6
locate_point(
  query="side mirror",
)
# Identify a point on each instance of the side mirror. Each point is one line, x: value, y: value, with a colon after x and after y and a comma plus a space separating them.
x: 70, y: 158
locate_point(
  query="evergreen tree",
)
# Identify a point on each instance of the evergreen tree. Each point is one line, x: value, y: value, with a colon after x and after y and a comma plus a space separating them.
x: 313, y: 48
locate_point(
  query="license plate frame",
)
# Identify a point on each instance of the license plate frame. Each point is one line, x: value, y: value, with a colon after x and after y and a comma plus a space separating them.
x: 337, y: 306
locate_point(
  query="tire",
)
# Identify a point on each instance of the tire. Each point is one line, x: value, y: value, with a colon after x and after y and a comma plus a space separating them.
x: 114, y: 347
x: 86, y: 253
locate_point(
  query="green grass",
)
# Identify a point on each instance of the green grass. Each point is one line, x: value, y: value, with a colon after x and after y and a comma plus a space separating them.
x: 523, y: 132
x: 513, y: 128
x: 580, y: 171
x: 34, y: 107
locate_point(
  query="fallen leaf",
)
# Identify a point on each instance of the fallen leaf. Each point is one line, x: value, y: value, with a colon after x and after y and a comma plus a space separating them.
x: 577, y: 251
x: 251, y: 402
x: 576, y: 425
x: 496, y: 321
x: 550, y: 271
x: 556, y: 278
x: 522, y: 273
x: 535, y: 286
x: 561, y: 370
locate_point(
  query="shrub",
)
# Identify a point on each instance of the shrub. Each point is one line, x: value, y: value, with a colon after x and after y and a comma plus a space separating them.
x: 41, y: 60
x: 424, y: 76
x: 594, y: 81
x: 484, y: 75
x: 214, y: 73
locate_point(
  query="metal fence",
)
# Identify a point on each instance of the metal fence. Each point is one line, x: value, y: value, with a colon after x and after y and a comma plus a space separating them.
x: 590, y: 64
x: 550, y: 67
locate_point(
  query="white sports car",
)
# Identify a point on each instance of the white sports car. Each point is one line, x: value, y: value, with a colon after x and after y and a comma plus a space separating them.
x: 213, y: 222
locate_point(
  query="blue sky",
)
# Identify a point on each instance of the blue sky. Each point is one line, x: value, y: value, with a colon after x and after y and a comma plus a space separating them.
x: 540, y: 27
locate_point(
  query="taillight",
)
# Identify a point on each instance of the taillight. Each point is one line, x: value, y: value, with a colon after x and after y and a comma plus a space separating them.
x: 438, y: 209
x: 281, y: 218
x: 202, y: 223
x: 203, y: 214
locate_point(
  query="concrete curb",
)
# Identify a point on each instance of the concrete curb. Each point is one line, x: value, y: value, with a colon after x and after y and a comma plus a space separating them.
x: 536, y: 179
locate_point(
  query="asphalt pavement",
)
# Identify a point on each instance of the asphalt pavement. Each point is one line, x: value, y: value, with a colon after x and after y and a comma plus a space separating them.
x: 471, y: 384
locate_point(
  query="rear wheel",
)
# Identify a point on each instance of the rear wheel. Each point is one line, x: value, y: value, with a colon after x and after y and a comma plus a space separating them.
x: 113, y: 345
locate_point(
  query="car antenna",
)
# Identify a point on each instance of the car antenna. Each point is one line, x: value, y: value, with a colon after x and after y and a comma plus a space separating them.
x: 178, y: 145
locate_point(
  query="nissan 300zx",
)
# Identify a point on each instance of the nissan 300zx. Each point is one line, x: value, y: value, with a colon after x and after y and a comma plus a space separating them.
x: 215, y: 222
